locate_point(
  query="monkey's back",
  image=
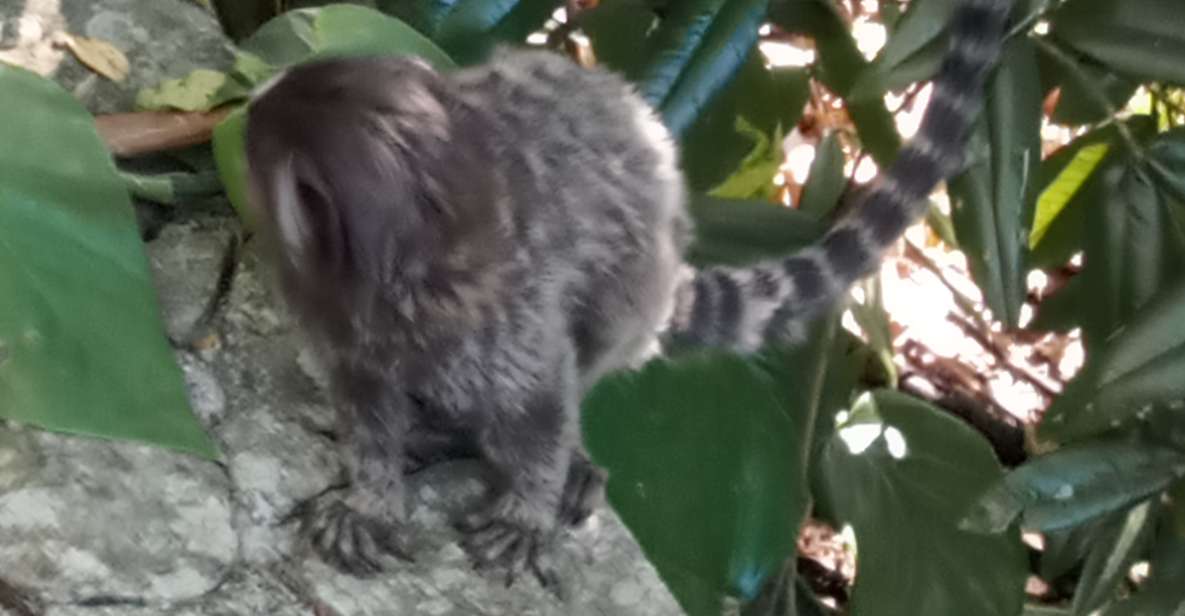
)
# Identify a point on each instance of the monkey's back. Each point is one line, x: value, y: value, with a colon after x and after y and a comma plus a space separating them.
x: 597, y: 199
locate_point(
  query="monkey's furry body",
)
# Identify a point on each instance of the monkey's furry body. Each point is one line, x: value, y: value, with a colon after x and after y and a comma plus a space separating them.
x: 471, y: 251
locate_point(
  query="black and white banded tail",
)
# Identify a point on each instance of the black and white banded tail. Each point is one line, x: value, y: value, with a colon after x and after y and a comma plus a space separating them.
x: 740, y: 308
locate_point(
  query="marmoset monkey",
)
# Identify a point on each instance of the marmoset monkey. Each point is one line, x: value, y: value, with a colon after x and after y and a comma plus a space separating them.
x: 472, y: 250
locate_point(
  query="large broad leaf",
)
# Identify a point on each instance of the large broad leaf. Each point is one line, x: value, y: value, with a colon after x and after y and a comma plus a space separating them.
x: 1143, y: 38
x: 716, y: 442
x: 993, y: 200
x: 82, y: 348
x: 471, y: 29
x: 297, y: 36
x: 1075, y: 484
x: 338, y: 29
x: 1134, y: 249
x: 902, y: 473
x: 706, y: 461
x: 840, y: 65
x: 1128, y: 375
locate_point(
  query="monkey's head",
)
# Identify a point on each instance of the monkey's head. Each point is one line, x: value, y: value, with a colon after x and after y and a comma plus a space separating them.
x: 359, y: 173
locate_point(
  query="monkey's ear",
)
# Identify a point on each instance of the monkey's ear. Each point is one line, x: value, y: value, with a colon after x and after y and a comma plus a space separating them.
x: 307, y: 221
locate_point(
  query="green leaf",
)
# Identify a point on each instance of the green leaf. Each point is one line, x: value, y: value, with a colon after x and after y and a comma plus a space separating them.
x: 1062, y: 311
x: 922, y: 24
x: 913, y: 52
x: 994, y: 198
x: 735, y: 232
x: 1134, y: 250
x: 754, y: 179
x: 1162, y: 594
x: 1143, y: 38
x: 471, y: 30
x: 335, y: 30
x: 423, y: 15
x: 706, y: 442
x: 229, y: 144
x: 1130, y: 373
x: 1045, y: 610
x: 172, y: 188
x: 698, y: 50
x: 301, y: 35
x: 1075, y: 484
x: 825, y: 184
x: 1111, y: 558
x: 619, y: 34
x: 82, y: 348
x: 625, y: 36
x: 1058, y: 193
x: 873, y: 320
x: 1065, y: 234
x: 197, y: 91
x: 1078, y: 105
x: 1066, y: 548
x: 239, y: 18
x: 765, y: 98
x: 901, y: 472
x: 1167, y: 153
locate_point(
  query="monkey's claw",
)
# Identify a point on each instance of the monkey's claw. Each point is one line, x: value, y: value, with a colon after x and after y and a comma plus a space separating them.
x: 583, y: 492
x: 513, y: 547
x: 350, y: 541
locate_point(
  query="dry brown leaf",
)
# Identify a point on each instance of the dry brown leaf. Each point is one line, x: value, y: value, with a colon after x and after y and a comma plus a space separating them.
x: 131, y: 134
x: 99, y: 55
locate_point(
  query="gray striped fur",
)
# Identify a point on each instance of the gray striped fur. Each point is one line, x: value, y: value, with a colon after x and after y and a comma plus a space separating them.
x: 816, y: 278
x: 471, y: 251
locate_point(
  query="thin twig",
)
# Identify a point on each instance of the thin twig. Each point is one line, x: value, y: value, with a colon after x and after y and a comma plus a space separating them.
x: 985, y: 341
x: 976, y: 329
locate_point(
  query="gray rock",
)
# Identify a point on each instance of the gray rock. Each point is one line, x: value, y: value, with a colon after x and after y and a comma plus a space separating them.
x: 162, y: 39
x: 602, y: 567
x: 97, y: 518
x: 186, y: 261
x: 244, y: 592
x: 205, y: 393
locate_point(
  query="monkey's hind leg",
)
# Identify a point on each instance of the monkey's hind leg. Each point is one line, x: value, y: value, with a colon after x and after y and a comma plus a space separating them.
x: 355, y: 533
x: 530, y: 448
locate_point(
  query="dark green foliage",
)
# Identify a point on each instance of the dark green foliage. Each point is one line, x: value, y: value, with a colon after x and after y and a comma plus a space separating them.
x: 715, y: 461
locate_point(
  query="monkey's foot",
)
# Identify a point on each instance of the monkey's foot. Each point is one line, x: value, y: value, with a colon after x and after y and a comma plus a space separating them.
x: 513, y: 536
x: 583, y: 491
x: 350, y: 541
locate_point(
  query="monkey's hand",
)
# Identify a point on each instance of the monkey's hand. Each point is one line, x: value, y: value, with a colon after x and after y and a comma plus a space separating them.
x: 350, y: 541
x: 513, y: 535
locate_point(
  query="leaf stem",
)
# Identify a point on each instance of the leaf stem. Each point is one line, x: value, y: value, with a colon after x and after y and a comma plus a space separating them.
x: 172, y: 188
x: 1090, y: 86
